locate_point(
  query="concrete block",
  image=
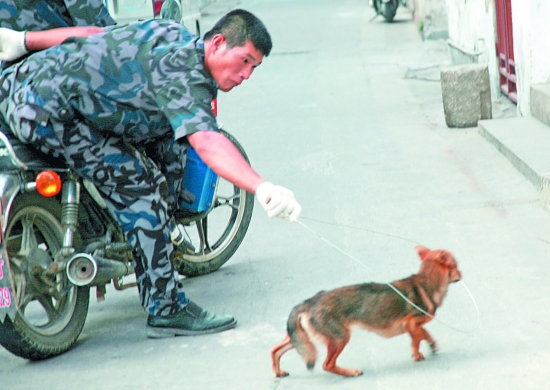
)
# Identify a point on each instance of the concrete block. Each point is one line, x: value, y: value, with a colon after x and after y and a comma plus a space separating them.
x: 466, y: 94
x: 540, y: 102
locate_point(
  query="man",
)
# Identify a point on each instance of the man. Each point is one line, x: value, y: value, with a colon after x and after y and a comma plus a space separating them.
x: 97, y: 101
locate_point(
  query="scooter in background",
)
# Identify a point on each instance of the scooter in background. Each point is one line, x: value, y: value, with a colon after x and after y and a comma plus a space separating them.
x: 388, y: 8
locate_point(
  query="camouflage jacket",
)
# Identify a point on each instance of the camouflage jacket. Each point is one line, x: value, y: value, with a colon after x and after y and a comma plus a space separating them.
x: 142, y: 81
x: 38, y: 15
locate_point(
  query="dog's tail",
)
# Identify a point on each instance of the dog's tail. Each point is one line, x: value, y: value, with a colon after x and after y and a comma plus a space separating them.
x: 298, y: 323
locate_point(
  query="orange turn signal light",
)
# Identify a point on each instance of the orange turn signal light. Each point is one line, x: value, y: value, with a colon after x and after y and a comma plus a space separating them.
x: 48, y: 183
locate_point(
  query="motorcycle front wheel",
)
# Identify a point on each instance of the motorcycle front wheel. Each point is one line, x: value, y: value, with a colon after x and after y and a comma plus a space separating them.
x: 386, y: 9
x: 51, y: 312
x: 215, y: 236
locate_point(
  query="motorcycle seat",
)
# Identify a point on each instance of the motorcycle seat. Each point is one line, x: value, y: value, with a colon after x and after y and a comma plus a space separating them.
x: 26, y: 154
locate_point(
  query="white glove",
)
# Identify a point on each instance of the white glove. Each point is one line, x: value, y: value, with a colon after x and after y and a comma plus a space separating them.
x: 12, y: 44
x: 278, y: 201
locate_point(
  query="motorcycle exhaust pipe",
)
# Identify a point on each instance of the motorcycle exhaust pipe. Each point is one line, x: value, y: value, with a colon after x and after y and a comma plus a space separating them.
x: 85, y: 270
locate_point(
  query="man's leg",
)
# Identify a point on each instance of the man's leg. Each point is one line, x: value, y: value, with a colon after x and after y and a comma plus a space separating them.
x: 132, y: 185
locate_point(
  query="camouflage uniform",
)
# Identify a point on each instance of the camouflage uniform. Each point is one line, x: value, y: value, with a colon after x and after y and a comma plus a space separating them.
x: 97, y: 102
x: 37, y: 15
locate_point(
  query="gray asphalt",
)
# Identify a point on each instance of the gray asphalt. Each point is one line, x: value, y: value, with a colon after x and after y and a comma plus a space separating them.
x: 348, y: 114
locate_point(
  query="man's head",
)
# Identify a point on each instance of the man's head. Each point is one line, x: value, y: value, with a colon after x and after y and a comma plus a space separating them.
x: 234, y: 47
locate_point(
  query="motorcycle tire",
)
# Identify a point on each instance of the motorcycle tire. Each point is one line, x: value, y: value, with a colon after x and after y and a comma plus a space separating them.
x: 217, y: 234
x: 48, y: 321
x: 386, y: 9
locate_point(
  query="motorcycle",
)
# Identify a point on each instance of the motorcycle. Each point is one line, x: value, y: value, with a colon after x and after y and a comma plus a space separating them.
x: 388, y: 8
x: 58, y: 240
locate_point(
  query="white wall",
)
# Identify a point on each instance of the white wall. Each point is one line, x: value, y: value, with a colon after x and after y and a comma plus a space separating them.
x: 472, y: 27
x: 531, y: 21
x: 433, y: 14
x: 540, y: 27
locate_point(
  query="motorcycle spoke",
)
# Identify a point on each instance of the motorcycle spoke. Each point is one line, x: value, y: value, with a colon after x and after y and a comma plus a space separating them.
x: 28, y: 237
x: 202, y: 231
x: 20, y: 281
x: 16, y: 264
x: 24, y: 300
x: 21, y: 291
x: 50, y: 308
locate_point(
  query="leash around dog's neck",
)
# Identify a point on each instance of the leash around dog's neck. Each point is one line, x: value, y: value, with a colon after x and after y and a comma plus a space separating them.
x: 391, y: 285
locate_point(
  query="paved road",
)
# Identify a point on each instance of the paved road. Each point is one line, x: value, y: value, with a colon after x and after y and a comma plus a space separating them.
x: 348, y: 114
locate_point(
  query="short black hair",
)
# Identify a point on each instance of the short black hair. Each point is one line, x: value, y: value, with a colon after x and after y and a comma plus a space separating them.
x: 238, y: 27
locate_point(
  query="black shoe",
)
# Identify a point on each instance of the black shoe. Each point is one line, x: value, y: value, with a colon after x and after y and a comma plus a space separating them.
x: 191, y: 321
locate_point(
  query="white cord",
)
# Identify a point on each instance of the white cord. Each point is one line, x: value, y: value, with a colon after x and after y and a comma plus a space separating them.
x: 399, y: 292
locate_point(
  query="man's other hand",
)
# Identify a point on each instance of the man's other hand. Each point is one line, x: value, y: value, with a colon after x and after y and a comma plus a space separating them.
x: 12, y: 44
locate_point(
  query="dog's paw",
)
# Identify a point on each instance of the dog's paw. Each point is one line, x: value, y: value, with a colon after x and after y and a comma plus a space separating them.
x: 349, y: 372
x: 281, y: 374
x: 417, y: 357
x: 355, y: 372
x: 433, y: 346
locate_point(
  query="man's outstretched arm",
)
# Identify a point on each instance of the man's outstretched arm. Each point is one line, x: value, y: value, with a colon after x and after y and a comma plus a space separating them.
x: 226, y: 160
x: 15, y: 44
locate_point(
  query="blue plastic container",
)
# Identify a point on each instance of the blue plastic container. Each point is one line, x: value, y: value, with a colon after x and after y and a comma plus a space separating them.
x: 201, y: 181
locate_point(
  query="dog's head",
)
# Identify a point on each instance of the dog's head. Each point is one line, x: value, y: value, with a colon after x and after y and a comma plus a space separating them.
x: 438, y: 261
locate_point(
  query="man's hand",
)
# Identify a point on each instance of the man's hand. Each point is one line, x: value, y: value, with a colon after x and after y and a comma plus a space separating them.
x: 12, y: 44
x: 278, y: 201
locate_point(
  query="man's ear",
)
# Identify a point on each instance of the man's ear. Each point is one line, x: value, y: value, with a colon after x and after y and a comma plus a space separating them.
x: 217, y: 41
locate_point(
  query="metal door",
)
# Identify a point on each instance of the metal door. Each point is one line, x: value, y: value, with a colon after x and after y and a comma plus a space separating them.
x: 505, y: 49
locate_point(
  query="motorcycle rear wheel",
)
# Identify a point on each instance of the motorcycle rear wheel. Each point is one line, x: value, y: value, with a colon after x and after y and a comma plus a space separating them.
x: 49, y: 320
x: 216, y: 235
x: 387, y: 9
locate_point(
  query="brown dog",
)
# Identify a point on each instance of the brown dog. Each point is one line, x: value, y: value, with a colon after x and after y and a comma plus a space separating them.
x: 329, y: 316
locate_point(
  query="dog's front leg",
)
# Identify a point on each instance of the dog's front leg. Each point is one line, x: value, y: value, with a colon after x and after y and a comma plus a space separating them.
x: 428, y: 337
x: 418, y: 333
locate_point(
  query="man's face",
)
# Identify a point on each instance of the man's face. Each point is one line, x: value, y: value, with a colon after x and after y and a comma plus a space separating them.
x: 230, y: 67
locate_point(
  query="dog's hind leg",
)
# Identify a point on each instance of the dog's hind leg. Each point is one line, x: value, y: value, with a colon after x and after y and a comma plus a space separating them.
x: 335, y: 348
x: 276, y: 353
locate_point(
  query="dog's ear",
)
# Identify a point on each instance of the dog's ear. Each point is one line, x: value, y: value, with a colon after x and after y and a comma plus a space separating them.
x: 422, y: 252
x: 447, y: 259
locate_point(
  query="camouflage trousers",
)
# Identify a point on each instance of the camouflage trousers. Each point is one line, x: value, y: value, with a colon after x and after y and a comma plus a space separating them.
x: 137, y: 189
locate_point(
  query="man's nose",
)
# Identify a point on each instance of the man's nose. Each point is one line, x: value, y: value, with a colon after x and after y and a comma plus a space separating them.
x: 246, y: 73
